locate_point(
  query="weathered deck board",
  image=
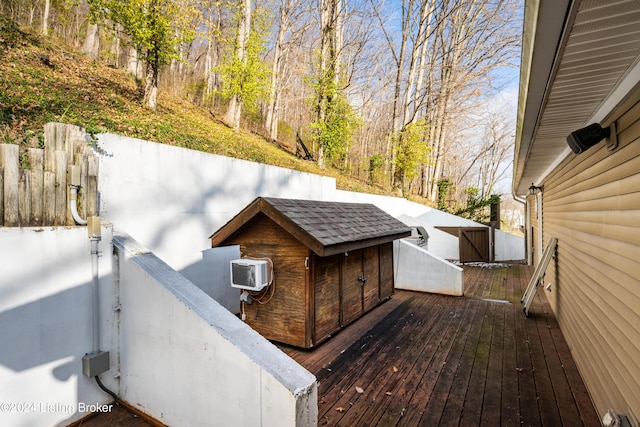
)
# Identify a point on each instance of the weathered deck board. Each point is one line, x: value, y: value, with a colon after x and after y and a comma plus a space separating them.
x: 119, y: 416
x: 424, y: 359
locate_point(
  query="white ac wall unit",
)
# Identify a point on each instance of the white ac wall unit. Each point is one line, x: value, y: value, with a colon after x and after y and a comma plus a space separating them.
x: 249, y: 274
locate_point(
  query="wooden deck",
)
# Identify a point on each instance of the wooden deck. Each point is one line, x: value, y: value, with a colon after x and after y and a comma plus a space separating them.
x: 424, y: 360
x: 121, y: 415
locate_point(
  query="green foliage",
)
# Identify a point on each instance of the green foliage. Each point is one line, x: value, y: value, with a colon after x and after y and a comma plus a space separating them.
x: 411, y: 151
x: 248, y: 78
x: 156, y: 27
x: 476, y: 208
x: 334, y: 133
x: 444, y: 185
x: 100, y: 98
x: 376, y: 162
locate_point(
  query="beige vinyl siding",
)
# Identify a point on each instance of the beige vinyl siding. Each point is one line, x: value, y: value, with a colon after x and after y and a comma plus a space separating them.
x: 592, y: 206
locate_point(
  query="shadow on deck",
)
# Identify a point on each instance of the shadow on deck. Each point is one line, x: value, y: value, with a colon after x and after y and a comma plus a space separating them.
x: 426, y: 359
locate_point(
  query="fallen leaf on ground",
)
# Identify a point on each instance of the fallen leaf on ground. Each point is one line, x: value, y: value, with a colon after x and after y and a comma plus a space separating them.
x: 340, y: 409
x: 395, y: 369
x: 359, y: 389
x: 388, y: 393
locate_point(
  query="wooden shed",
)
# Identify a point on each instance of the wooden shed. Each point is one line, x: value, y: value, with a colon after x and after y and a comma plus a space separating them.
x: 332, y: 263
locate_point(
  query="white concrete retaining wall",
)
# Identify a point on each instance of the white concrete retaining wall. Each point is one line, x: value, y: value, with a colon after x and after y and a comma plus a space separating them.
x: 172, y: 199
x: 508, y: 247
x: 394, y: 206
x: 187, y: 361
x: 213, y: 276
x: 441, y: 243
x: 46, y: 324
x: 181, y: 357
x: 418, y: 270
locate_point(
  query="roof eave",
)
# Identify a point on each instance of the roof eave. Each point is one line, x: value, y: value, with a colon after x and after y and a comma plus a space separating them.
x: 235, y: 223
x: 544, y: 25
x: 355, y: 245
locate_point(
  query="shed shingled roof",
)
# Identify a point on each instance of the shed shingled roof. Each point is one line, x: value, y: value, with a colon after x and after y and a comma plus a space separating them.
x: 325, y: 227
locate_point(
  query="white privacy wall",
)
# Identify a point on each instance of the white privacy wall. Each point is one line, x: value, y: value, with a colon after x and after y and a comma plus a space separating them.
x: 175, y: 353
x: 417, y: 269
x: 185, y: 360
x: 508, y: 247
x: 46, y: 324
x: 172, y: 199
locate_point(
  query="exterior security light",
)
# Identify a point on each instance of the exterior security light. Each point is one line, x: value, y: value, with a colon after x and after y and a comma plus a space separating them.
x: 585, y: 138
x: 533, y: 189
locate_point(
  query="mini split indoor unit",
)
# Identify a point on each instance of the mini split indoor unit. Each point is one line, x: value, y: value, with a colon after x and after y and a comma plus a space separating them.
x: 249, y: 274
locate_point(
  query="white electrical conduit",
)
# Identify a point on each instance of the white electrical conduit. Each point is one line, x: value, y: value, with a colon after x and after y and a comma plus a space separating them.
x: 94, y: 293
x: 73, y: 197
x: 73, y: 206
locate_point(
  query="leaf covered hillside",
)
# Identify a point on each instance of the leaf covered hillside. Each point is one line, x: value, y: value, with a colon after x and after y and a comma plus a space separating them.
x: 44, y: 80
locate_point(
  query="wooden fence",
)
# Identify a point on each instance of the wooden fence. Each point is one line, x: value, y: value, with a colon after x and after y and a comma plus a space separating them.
x: 33, y: 184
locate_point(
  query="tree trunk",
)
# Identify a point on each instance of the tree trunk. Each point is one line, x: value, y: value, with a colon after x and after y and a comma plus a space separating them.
x: 92, y: 41
x: 271, y: 120
x: 208, y: 74
x: 390, y: 158
x: 115, y: 49
x: 133, y: 63
x: 151, y: 87
x: 45, y: 18
x: 234, y: 110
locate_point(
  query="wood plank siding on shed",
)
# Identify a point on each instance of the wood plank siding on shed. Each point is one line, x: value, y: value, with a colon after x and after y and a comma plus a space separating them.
x: 332, y: 262
x: 591, y: 204
x: 285, y: 320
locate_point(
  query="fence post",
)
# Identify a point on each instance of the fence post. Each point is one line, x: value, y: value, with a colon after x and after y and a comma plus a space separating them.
x: 39, y: 196
x: 9, y: 158
x: 36, y: 160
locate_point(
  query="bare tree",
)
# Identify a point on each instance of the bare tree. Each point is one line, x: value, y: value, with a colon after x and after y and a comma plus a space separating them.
x: 45, y: 17
x: 472, y: 40
x: 292, y: 27
x: 92, y: 41
x: 234, y: 110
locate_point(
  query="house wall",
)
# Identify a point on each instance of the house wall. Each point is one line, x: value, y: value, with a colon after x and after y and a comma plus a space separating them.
x: 185, y: 360
x: 592, y: 205
x: 46, y: 324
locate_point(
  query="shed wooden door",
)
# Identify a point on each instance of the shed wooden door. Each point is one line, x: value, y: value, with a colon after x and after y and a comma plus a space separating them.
x: 474, y: 244
x: 351, y: 290
x: 360, y: 290
x: 371, y: 275
x: 326, y: 279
